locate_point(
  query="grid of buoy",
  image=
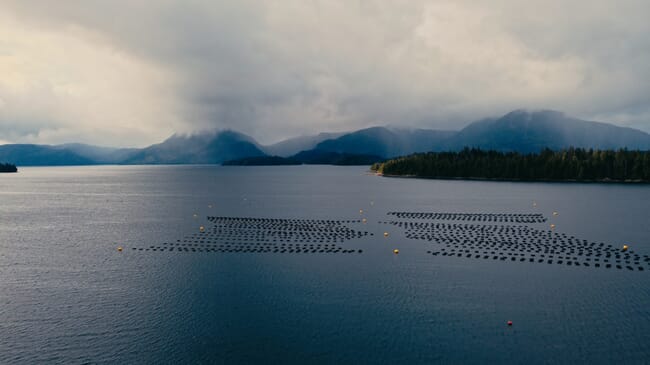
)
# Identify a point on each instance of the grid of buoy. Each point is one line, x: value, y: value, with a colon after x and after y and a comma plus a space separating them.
x: 474, y: 217
x: 266, y: 235
x: 520, y: 243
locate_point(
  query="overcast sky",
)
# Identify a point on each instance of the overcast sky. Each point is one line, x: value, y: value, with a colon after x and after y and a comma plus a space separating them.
x: 132, y: 72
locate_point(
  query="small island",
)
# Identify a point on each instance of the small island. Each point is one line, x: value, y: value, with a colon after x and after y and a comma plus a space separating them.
x: 572, y: 164
x: 7, y: 167
x: 308, y: 158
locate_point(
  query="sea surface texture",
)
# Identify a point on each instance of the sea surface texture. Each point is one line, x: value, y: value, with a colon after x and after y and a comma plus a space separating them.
x: 297, y: 264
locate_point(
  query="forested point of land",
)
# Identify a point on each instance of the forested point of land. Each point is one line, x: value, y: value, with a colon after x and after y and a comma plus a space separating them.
x: 7, y: 167
x: 572, y: 164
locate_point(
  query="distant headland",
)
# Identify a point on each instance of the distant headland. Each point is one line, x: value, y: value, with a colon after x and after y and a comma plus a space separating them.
x: 308, y: 158
x: 7, y: 167
x: 573, y: 164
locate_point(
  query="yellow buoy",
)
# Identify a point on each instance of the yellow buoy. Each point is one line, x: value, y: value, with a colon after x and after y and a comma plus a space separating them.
x: 364, y: 220
x: 625, y: 247
x: 552, y: 226
x: 360, y: 211
x: 385, y: 234
x: 119, y: 248
x: 201, y: 228
x: 395, y: 251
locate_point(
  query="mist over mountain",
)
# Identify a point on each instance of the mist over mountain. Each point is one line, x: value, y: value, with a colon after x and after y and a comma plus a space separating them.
x: 292, y: 146
x: 209, y: 148
x: 520, y: 130
x: 526, y: 131
x: 97, y: 154
x: 385, y: 142
x: 41, y: 155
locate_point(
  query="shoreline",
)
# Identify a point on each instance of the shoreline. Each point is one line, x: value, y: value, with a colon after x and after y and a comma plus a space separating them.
x: 601, y: 181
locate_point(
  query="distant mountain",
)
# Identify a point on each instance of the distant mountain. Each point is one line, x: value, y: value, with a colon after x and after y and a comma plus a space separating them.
x: 41, y: 155
x: 525, y: 131
x: 210, y: 148
x: 520, y: 131
x: 102, y: 155
x: 385, y: 142
x: 292, y: 146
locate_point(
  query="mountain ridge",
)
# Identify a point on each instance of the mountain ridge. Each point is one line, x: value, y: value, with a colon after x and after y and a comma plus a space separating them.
x: 519, y: 130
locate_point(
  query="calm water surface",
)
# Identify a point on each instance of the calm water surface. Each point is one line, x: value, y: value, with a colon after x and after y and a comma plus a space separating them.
x: 67, y: 295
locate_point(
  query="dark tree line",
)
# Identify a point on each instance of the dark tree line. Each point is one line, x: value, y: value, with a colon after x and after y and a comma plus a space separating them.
x: 7, y: 167
x: 569, y: 164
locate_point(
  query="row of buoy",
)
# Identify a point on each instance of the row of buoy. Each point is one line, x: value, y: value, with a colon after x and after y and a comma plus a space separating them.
x: 567, y: 262
x: 244, y: 250
x: 511, y: 242
x: 234, y: 234
x: 245, y: 244
x: 283, y: 236
x: 476, y: 249
x: 335, y: 250
x: 275, y: 220
x: 489, y: 233
x: 334, y: 231
x: 240, y: 232
x: 507, y: 237
x: 588, y: 253
x: 282, y: 230
x: 481, y: 217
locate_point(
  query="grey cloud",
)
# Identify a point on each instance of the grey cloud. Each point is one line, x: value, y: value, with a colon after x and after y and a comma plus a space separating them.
x: 279, y: 68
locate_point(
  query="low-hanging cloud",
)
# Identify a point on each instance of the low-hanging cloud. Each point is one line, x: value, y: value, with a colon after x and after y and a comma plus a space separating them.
x: 133, y: 72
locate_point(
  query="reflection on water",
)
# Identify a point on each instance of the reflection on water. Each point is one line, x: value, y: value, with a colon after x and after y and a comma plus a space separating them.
x: 68, y: 295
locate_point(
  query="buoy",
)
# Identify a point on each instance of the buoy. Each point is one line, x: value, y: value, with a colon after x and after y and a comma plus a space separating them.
x: 364, y: 220
x: 509, y: 323
x: 360, y: 211
x: 395, y: 251
x: 385, y: 234
x: 552, y: 226
x: 194, y: 215
x: 119, y: 248
x: 554, y: 213
x: 201, y: 228
x: 625, y: 247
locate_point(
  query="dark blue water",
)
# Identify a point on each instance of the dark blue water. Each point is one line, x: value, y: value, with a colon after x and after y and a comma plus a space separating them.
x: 68, y: 296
